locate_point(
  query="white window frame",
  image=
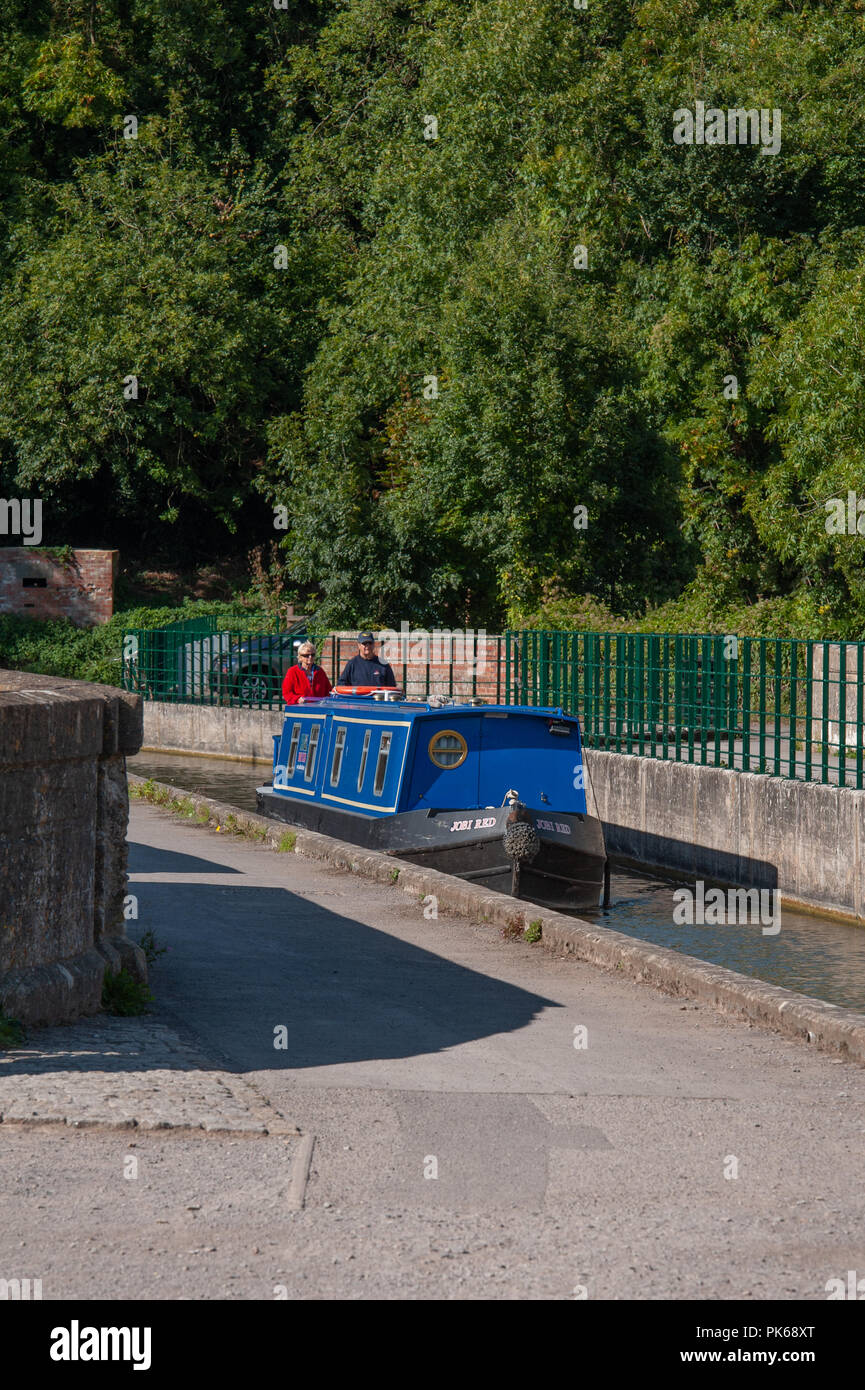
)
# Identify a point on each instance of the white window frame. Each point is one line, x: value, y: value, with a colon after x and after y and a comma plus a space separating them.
x: 293, y: 746
x: 363, y: 757
x: 338, y: 754
x: 312, y: 752
x: 381, y: 762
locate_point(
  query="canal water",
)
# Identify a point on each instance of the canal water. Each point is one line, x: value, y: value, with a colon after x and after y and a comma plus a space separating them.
x: 811, y: 954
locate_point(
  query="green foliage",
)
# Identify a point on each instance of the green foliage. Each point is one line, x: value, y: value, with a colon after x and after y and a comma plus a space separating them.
x: 149, y: 945
x: 532, y: 932
x: 406, y: 259
x: 70, y: 85
x: 124, y: 995
x: 699, y: 609
x: 58, y: 648
x: 557, y: 387
x: 11, y: 1032
x: 287, y: 842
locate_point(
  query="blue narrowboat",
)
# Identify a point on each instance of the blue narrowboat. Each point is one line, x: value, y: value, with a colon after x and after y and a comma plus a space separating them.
x: 491, y: 793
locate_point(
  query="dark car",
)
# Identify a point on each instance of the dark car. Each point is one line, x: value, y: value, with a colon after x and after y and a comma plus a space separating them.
x: 252, y: 670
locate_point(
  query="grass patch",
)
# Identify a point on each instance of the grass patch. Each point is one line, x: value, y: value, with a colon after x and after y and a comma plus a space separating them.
x: 11, y: 1032
x: 532, y: 932
x: 287, y: 842
x: 124, y: 995
x: 186, y: 806
x: 394, y: 875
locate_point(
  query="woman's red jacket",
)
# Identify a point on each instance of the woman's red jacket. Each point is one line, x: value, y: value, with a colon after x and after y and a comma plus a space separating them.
x: 296, y: 683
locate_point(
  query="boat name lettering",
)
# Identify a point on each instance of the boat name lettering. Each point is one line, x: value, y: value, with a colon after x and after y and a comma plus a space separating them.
x: 560, y: 826
x: 482, y: 823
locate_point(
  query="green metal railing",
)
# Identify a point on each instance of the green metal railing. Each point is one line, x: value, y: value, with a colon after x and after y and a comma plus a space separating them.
x: 782, y: 706
x: 786, y: 707
x: 203, y: 662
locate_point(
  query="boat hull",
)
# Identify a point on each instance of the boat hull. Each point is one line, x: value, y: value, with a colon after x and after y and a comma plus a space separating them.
x: 566, y: 874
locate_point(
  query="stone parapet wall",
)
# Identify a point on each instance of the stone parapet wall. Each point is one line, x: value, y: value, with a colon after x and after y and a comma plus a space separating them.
x: 742, y: 828
x: 63, y: 817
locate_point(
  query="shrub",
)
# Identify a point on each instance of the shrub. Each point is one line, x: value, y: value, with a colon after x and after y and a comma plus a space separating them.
x: 11, y: 1032
x: 124, y: 995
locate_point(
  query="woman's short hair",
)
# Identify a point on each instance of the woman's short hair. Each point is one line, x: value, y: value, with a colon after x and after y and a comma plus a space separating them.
x: 306, y: 647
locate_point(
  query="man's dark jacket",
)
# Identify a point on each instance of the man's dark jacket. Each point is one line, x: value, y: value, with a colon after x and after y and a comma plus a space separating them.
x: 359, y: 671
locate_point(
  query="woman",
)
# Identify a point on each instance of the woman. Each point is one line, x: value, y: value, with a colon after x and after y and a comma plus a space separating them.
x: 305, y: 680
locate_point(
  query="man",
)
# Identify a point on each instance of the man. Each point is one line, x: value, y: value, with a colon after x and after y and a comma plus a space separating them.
x: 365, y: 668
x: 305, y: 681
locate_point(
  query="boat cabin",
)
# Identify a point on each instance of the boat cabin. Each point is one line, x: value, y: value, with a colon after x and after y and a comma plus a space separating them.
x: 384, y: 758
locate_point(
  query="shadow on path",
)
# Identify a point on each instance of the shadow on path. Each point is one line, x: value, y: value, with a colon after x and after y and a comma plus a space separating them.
x: 146, y: 859
x: 247, y: 961
x: 248, y: 967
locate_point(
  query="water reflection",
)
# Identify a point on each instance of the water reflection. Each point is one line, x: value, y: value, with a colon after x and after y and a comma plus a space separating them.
x: 810, y: 954
x: 221, y: 779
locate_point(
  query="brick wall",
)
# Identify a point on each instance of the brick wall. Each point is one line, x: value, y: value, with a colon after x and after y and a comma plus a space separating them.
x: 37, y: 584
x: 422, y: 667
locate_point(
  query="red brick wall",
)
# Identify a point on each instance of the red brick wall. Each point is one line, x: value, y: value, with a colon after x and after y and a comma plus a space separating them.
x: 80, y: 589
x: 482, y: 674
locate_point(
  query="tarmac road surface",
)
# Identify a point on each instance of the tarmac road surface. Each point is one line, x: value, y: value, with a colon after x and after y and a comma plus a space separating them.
x: 338, y: 1097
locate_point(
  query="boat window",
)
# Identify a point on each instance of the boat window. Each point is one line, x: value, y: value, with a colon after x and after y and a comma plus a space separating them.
x: 311, y: 752
x: 381, y: 765
x: 448, y: 749
x: 364, y: 752
x: 336, y: 765
x: 292, y: 750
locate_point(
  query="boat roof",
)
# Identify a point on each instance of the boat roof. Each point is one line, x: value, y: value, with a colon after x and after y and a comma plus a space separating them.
x: 418, y: 709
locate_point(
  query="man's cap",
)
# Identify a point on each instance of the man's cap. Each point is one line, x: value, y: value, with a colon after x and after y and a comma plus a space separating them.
x: 365, y: 637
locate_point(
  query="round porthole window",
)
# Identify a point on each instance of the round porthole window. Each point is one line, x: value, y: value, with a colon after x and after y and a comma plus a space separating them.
x: 448, y: 749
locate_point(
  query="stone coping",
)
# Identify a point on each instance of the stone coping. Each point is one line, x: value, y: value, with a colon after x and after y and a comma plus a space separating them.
x: 37, y: 724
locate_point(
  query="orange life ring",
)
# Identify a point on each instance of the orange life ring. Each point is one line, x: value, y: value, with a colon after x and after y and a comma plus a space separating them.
x: 394, y: 690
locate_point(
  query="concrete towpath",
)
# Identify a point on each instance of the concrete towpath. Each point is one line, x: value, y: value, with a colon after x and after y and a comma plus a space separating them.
x: 370, y: 1102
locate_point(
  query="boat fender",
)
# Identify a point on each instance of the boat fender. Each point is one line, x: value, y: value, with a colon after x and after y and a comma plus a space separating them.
x: 520, y: 839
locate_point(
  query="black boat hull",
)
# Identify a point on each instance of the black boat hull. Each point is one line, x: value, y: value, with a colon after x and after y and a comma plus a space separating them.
x: 566, y: 874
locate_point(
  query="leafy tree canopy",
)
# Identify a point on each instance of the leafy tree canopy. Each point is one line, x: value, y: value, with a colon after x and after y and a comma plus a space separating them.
x: 436, y: 276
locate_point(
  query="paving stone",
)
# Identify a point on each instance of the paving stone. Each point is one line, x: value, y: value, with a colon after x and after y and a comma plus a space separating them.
x: 122, y: 1073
